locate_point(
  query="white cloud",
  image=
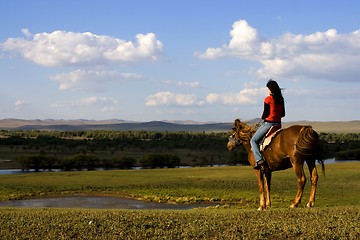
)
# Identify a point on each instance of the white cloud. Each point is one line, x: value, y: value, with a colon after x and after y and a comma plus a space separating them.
x: 109, y: 109
x: 95, y: 105
x: 61, y: 48
x: 324, y: 93
x: 19, y: 104
x: 245, y: 96
x: 76, y: 80
x: 244, y: 40
x: 100, y: 102
x: 95, y: 100
x: 26, y: 32
x: 211, y: 53
x: 169, y: 98
x: 321, y: 55
x: 244, y: 43
x: 188, y: 84
x: 183, y: 84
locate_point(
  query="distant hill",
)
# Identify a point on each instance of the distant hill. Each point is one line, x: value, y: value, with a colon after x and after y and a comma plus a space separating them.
x: 160, y: 126
x: 113, y: 124
x: 11, y: 123
x: 333, y: 126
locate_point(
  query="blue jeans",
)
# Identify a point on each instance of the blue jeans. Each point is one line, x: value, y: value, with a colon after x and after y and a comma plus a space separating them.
x: 258, y: 136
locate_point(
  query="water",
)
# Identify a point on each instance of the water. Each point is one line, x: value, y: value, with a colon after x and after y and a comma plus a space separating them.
x: 98, y: 202
x: 18, y: 171
x: 332, y: 161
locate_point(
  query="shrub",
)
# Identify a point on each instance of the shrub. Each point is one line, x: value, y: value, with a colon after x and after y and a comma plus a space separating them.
x: 351, y: 154
x: 160, y: 161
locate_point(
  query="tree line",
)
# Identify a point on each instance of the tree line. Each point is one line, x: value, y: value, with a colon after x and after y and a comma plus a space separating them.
x: 87, y: 161
x: 122, y: 139
x: 75, y: 150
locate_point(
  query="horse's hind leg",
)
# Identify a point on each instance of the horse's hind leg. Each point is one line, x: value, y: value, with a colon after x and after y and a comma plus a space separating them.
x: 299, y: 171
x: 314, y: 179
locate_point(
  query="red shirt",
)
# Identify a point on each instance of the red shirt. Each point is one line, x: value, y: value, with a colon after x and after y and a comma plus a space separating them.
x: 272, y: 112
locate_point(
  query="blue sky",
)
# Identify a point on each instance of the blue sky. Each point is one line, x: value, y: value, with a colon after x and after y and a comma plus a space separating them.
x: 200, y: 60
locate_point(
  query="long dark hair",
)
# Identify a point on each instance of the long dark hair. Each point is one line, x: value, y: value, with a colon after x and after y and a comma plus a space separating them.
x: 275, y: 91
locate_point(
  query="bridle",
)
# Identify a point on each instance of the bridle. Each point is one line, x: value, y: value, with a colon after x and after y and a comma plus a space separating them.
x: 233, y: 140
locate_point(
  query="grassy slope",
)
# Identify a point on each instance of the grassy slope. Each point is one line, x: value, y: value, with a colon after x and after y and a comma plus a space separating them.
x: 336, y: 216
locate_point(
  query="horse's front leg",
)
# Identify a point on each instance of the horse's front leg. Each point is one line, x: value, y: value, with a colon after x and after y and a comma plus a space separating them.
x: 299, y: 171
x: 267, y: 184
x: 260, y: 179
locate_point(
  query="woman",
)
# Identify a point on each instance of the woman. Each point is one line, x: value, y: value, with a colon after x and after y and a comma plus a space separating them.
x: 274, y: 110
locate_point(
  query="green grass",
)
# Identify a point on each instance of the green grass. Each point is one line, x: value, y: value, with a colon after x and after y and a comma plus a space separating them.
x: 336, y: 215
x: 195, y: 184
x: 339, y: 186
x: 317, y: 223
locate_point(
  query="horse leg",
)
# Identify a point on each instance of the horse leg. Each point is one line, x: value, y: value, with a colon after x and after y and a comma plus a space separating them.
x: 260, y: 179
x: 314, y: 179
x: 267, y: 183
x: 299, y: 171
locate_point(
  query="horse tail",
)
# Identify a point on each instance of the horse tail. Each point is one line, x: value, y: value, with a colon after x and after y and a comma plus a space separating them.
x: 308, y: 145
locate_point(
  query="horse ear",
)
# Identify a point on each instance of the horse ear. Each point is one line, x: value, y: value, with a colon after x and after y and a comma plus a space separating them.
x: 237, y: 122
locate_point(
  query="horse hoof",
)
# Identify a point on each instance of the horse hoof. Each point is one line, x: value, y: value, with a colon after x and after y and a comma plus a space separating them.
x: 294, y: 205
x: 310, y: 204
x: 261, y: 208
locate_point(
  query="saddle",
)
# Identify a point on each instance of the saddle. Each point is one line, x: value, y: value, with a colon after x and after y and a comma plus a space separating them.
x: 273, y: 131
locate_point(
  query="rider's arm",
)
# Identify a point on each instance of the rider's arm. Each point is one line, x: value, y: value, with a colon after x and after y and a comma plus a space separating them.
x: 283, y: 111
x: 266, y: 111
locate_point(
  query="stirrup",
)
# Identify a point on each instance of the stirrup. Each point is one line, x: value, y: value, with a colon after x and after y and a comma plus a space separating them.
x: 258, y: 164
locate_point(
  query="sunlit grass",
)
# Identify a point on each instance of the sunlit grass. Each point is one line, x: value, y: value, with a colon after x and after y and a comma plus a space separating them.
x: 317, y: 223
x: 339, y: 186
x: 336, y: 215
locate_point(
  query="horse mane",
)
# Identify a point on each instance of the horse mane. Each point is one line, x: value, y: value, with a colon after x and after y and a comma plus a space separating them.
x: 243, y: 130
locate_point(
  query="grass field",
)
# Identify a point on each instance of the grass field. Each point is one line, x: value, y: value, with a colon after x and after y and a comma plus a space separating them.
x: 336, y: 215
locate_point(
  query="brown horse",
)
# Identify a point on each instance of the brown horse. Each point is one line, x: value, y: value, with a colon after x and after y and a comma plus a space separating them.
x: 289, y: 148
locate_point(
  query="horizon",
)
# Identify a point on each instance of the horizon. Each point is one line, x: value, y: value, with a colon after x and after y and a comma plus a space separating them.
x: 162, y: 125
x: 198, y: 61
x: 162, y: 120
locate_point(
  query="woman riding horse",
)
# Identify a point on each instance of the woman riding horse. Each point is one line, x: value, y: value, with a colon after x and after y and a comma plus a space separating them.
x: 274, y: 110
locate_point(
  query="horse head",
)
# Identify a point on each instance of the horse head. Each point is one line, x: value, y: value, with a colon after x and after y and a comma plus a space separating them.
x: 241, y: 132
